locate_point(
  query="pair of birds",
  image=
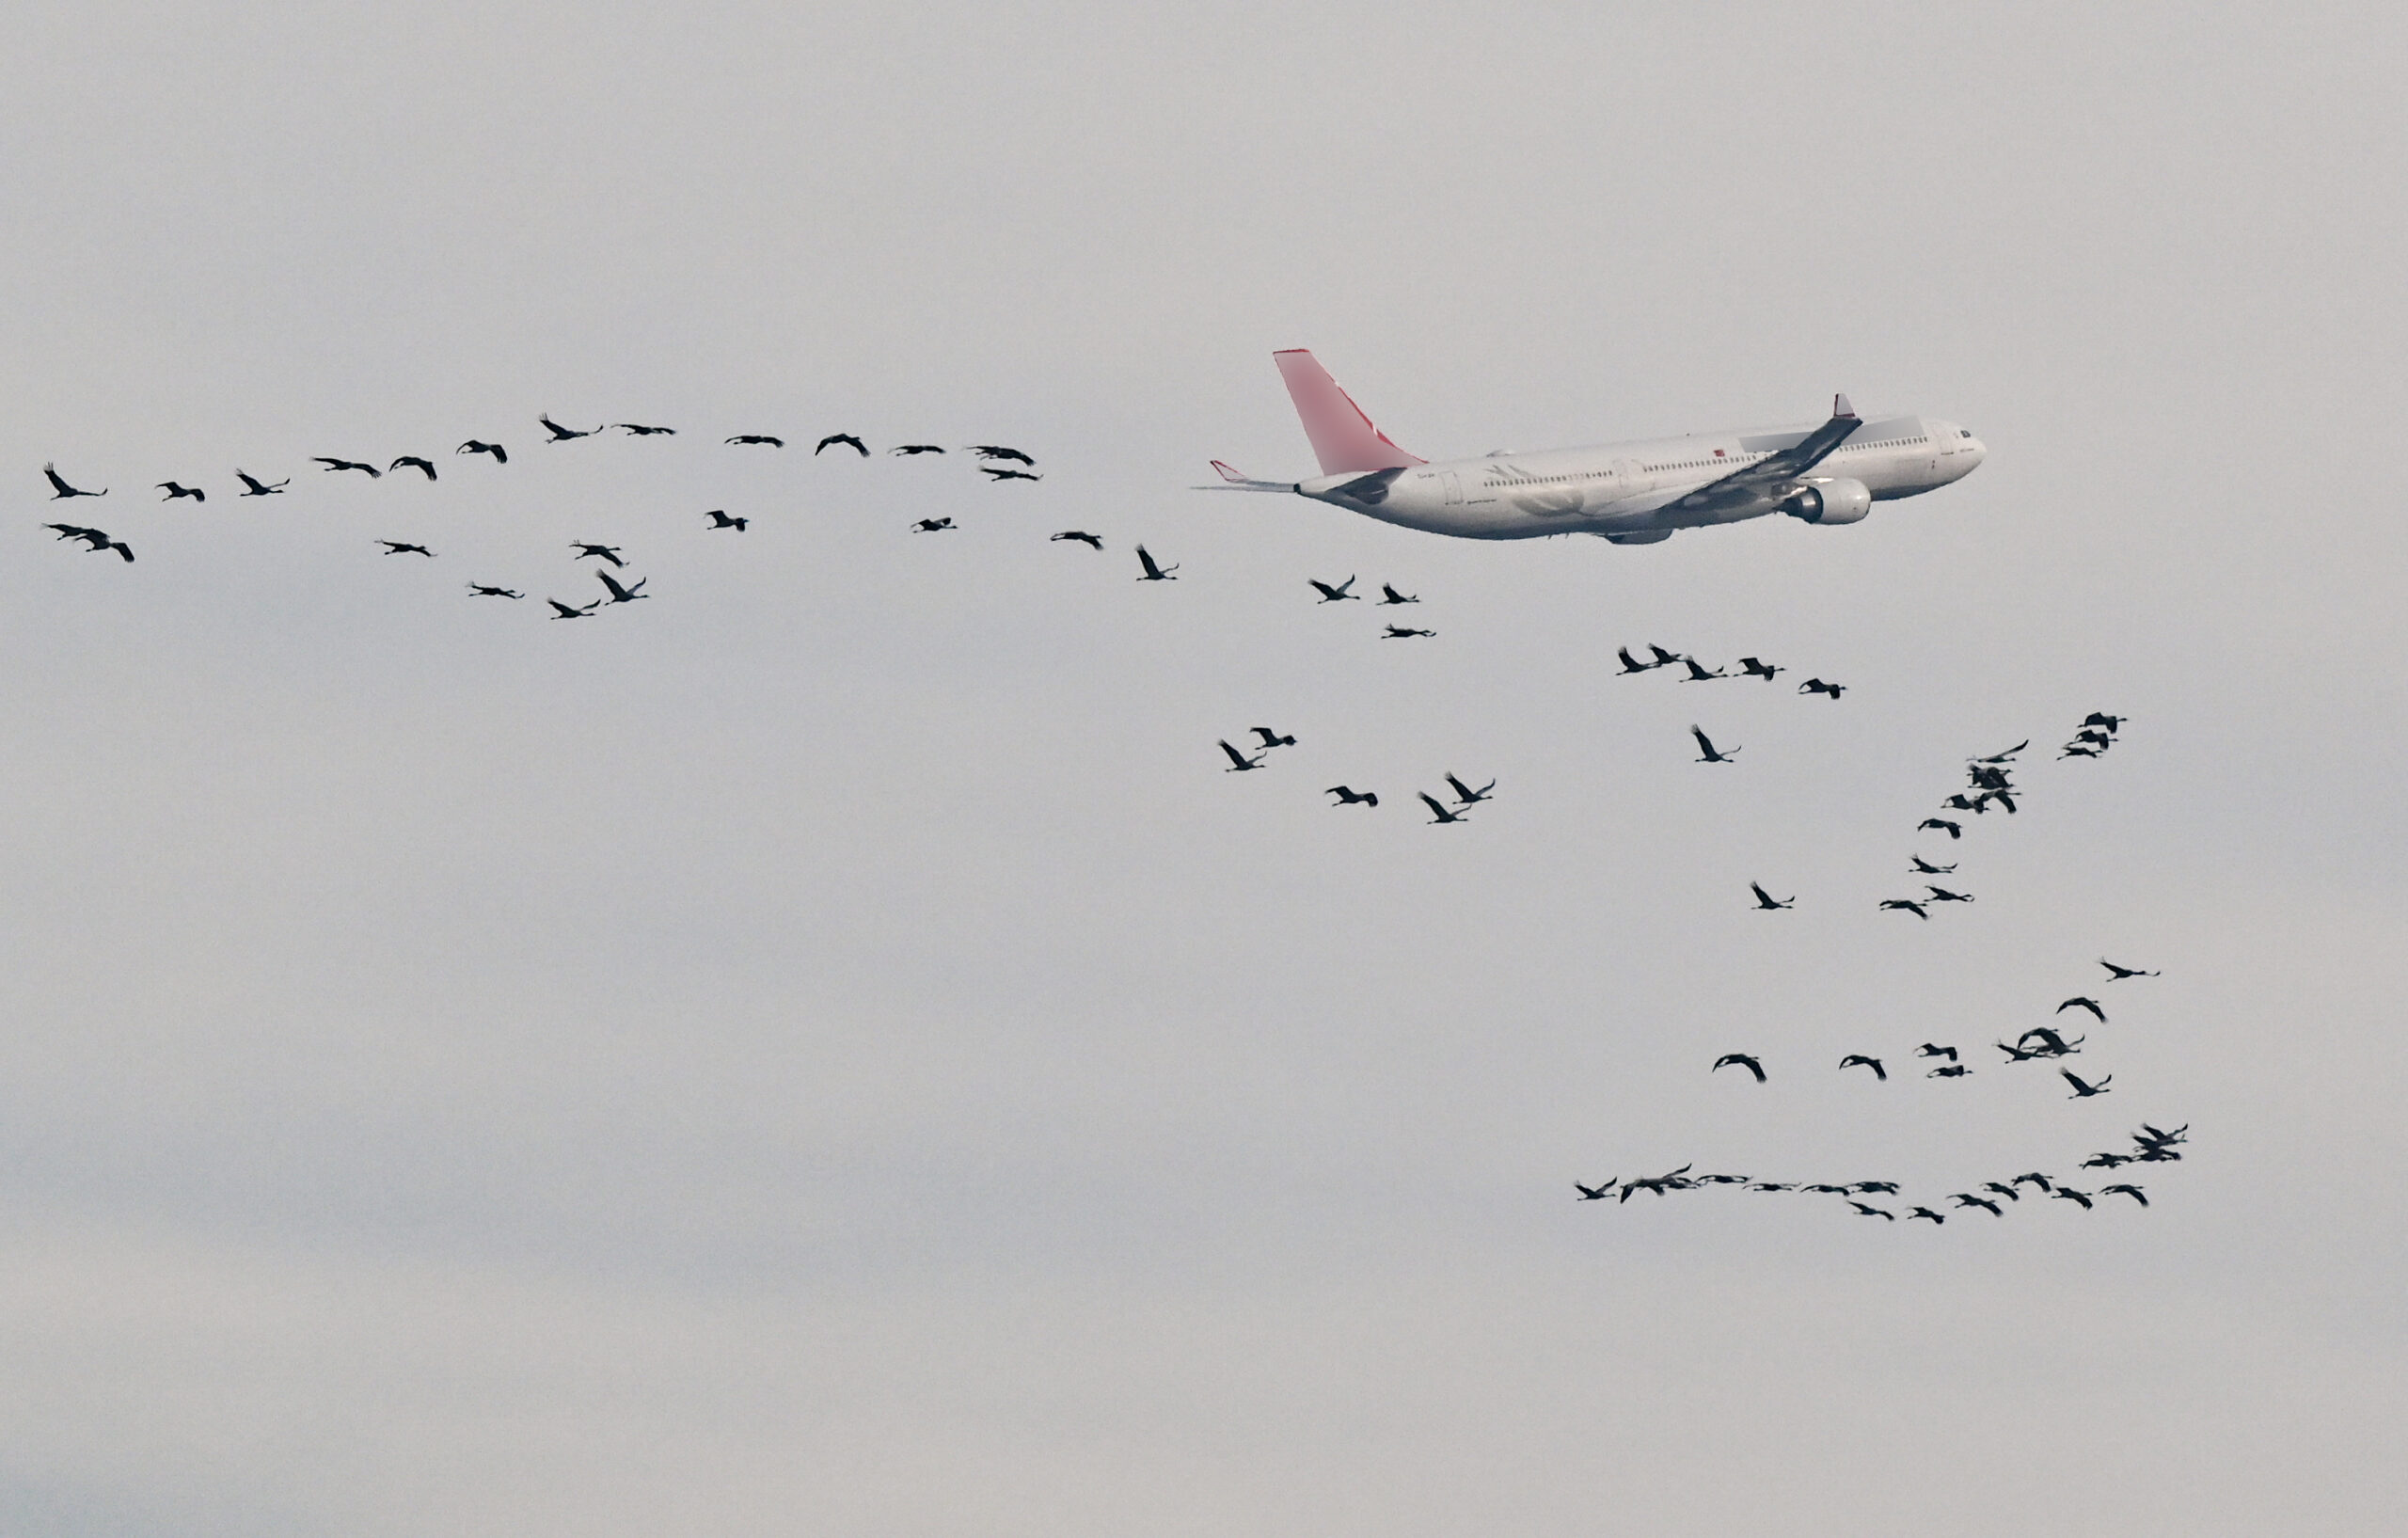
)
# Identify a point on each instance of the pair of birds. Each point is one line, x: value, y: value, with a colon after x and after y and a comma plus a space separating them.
x: 1150, y: 570
x: 1338, y: 592
x: 95, y: 540
x: 1921, y: 907
x: 1951, y: 1069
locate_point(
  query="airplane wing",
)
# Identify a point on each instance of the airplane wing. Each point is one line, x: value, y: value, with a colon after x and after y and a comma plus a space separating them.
x: 1239, y: 480
x: 1771, y: 476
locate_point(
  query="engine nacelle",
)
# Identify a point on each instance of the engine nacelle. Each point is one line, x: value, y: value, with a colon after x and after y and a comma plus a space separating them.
x: 1831, y: 501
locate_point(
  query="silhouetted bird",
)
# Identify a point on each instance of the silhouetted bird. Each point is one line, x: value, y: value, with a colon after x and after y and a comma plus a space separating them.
x: 1767, y: 901
x: 2009, y: 1192
x: 912, y: 451
x: 1941, y: 893
x: 2106, y: 1160
x: 1962, y: 803
x: 639, y: 429
x: 1925, y: 867
x: 94, y: 540
x: 1400, y: 632
x: 2033, y: 1176
x: 2122, y: 1190
x: 1706, y: 746
x: 1966, y: 1198
x: 1240, y: 763
x: 1758, y: 668
x: 561, y: 435
x: 501, y: 455
x: 2016, y: 1053
x: 415, y: 463
x: 758, y: 437
x: 1740, y: 1059
x: 1949, y: 1071
x: 997, y: 474
x: 1632, y: 664
x: 1825, y: 1190
x: 1951, y: 829
x: 1271, y: 739
x: 2112, y: 724
x: 1873, y: 1212
x: 1884, y: 1187
x: 1092, y: 540
x: 174, y: 491
x: 933, y: 525
x: 2051, y: 1044
x: 1816, y: 686
x: 607, y: 552
x: 2091, y: 1004
x: 1153, y: 572
x: 373, y: 473
x: 572, y: 611
x: 2116, y: 974
x: 480, y: 591
x: 60, y: 490
x: 1663, y: 658
x: 1931, y: 1048
x: 1388, y: 594
x: 623, y: 594
x: 2078, y: 751
x: 1924, y: 1212
x: 2097, y: 739
x: 260, y: 488
x: 2008, y: 756
x: 1699, y: 673
x: 848, y: 439
x: 1349, y: 797
x: 1333, y: 595
x: 1468, y: 796
x: 2067, y: 1192
x: 394, y: 546
x: 1772, y: 1185
x: 1437, y: 812
x: 996, y: 451
x: 1906, y: 906
x: 2081, y: 1090
x: 1981, y: 801
x: 1857, y: 1059
x: 721, y: 520
x: 1593, y: 1192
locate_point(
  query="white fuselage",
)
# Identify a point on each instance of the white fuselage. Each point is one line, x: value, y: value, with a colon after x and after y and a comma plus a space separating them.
x: 1625, y: 491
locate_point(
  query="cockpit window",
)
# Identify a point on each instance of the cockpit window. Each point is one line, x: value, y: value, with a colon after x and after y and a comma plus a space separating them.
x: 1964, y: 432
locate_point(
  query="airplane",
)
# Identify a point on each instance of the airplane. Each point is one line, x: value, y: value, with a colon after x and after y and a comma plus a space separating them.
x: 1638, y: 492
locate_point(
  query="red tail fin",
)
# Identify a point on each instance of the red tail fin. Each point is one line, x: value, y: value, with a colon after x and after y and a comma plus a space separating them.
x: 1343, y: 438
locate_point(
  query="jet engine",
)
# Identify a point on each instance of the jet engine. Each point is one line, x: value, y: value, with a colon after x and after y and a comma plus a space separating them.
x: 1831, y: 501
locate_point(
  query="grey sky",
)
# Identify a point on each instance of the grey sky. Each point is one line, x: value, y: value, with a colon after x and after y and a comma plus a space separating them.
x: 826, y: 1050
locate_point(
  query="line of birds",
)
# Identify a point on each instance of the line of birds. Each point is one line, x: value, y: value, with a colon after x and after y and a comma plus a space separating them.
x: 1698, y: 672
x: 2150, y: 1144
x: 1268, y: 741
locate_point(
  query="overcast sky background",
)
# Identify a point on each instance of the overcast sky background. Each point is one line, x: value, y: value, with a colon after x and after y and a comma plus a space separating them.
x: 827, y: 1050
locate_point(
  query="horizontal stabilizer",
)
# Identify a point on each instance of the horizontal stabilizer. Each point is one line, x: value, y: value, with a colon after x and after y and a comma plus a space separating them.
x: 1342, y: 437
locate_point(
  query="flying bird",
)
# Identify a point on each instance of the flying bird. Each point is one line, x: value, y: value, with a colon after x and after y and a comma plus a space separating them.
x: 759, y: 437
x: 1154, y: 573
x: 572, y: 611
x: 2075, y: 749
x: 623, y: 594
x: 479, y: 590
x: 60, y: 490
x: 607, y: 552
x: 933, y: 525
x: 1593, y: 1192
x: 260, y: 488
x: 1740, y: 1059
x: 721, y: 520
x: 911, y: 450
x: 415, y: 463
x: 1757, y: 668
x: 2116, y: 974
x: 1706, y: 746
x: 1632, y: 664
x: 1240, y: 763
x: 2034, y: 1177
x: 2081, y: 1090
x: 2112, y: 724
x: 1906, y: 905
x: 1767, y: 901
x: 94, y: 540
x: 2122, y: 1190
x: 348, y: 464
x: 561, y: 435
x: 1092, y: 541
x: 1857, y: 1059
x: 1941, y: 893
x: 1816, y: 686
x: 998, y: 473
x: 1699, y: 673
x: 2091, y: 1004
x: 2051, y: 1044
x: 1949, y: 1071
x: 997, y: 451
x: 501, y: 455
x: 2067, y: 1192
x: 1349, y: 797
x: 639, y: 429
x: 1439, y: 812
x: 2009, y: 1192
x: 1884, y: 1187
x: 2106, y: 1160
x: 1873, y: 1212
x: 846, y: 438
x: 1930, y: 1049
x: 1924, y: 1212
x: 1966, y: 1198
x: 1951, y: 829
x: 2016, y: 1053
x: 1925, y: 867
x: 1400, y: 632
x: 1333, y: 595
x: 2007, y: 756
x: 1271, y: 739
x: 174, y: 491
x: 395, y: 546
x: 1468, y: 796
x: 1388, y: 595
x: 1663, y: 658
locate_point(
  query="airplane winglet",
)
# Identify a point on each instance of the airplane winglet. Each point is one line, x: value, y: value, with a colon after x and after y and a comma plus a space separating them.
x: 1840, y: 408
x: 1239, y: 480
